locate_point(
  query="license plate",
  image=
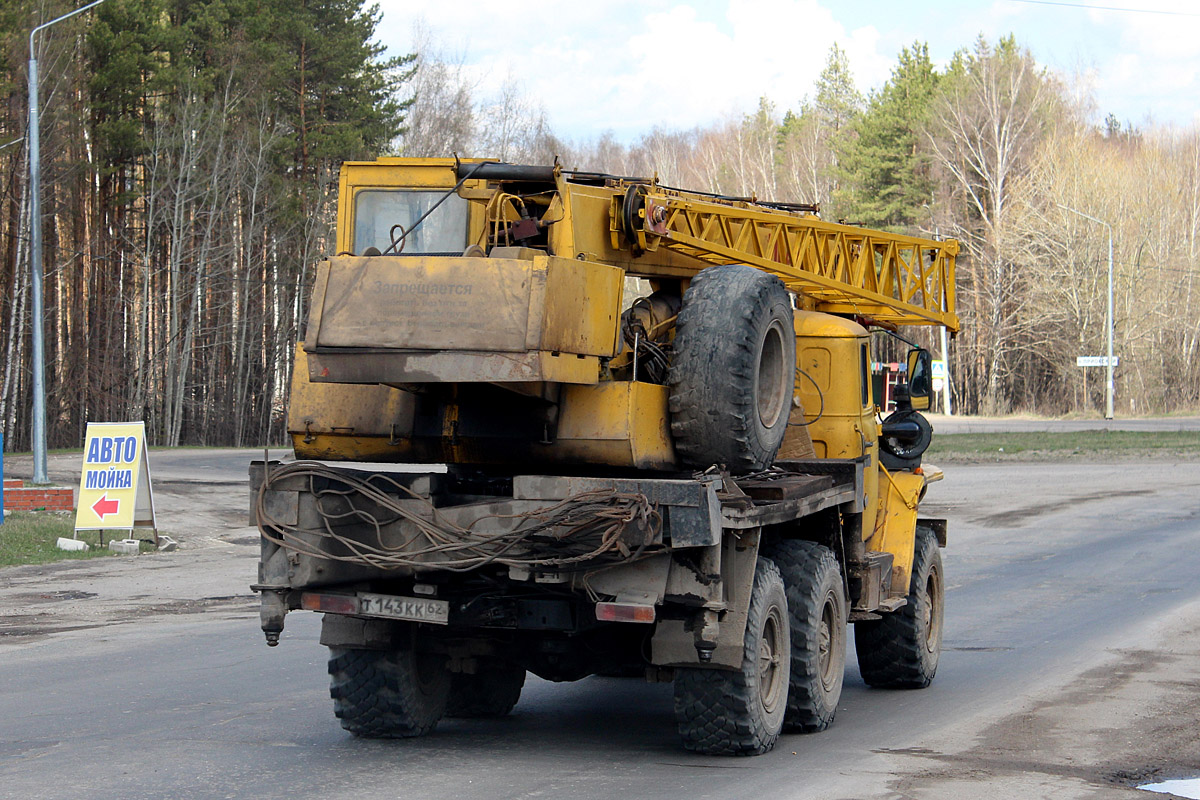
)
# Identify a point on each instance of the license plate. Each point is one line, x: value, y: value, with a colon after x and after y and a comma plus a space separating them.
x: 413, y: 609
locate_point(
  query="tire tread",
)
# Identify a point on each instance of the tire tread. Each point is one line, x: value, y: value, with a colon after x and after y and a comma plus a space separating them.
x: 891, y: 653
x: 376, y: 694
x: 712, y: 401
x: 716, y: 709
x: 805, y: 566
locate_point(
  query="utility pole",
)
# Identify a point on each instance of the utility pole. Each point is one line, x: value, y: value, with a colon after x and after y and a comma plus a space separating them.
x: 937, y: 234
x: 946, y: 383
x: 1108, y: 395
x: 35, y: 256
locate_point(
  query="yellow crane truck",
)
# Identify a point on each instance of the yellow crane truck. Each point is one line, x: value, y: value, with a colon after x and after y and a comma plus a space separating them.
x: 649, y: 447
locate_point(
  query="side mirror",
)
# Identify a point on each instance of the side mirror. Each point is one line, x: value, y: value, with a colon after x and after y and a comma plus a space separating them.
x: 920, y: 382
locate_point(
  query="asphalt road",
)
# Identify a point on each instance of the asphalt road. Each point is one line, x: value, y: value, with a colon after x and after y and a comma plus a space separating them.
x: 1049, y: 568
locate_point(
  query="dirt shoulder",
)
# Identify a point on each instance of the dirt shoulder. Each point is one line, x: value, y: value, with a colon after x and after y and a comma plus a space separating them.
x: 1129, y: 721
x: 213, y: 568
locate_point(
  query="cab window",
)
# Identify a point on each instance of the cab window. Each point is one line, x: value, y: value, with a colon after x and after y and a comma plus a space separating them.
x: 865, y: 373
x: 378, y: 211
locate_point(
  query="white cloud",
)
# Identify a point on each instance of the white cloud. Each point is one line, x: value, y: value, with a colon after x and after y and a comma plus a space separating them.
x: 1154, y: 71
x: 629, y: 65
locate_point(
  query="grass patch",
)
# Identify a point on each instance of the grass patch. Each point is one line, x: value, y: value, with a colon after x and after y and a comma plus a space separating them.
x: 29, y: 538
x: 1067, y: 444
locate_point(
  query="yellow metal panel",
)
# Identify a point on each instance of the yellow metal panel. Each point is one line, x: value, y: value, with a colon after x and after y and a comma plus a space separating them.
x: 423, y: 303
x: 568, y: 368
x: 616, y: 423
x: 895, y: 530
x: 829, y: 350
x: 393, y: 172
x: 350, y: 408
x: 818, y: 325
x: 338, y: 447
x: 452, y: 366
x: 828, y: 353
x: 345, y: 239
x: 581, y: 307
x: 435, y: 303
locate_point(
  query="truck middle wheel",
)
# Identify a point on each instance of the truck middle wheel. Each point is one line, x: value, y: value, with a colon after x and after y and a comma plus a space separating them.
x: 817, y: 605
x: 722, y: 712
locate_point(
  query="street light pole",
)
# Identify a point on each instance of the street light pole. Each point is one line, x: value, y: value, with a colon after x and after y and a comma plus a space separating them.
x: 1108, y: 396
x: 937, y: 235
x: 35, y: 255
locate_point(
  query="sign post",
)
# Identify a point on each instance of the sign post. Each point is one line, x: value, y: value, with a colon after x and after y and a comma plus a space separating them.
x: 1096, y: 361
x: 940, y: 382
x: 114, y: 489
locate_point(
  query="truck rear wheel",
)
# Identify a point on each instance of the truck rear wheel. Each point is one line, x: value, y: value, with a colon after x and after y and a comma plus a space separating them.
x: 817, y: 605
x: 726, y: 712
x: 733, y: 374
x: 388, y: 694
x: 490, y: 692
x: 901, y: 650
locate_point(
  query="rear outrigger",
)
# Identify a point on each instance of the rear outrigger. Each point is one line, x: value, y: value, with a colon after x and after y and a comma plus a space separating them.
x: 688, y: 482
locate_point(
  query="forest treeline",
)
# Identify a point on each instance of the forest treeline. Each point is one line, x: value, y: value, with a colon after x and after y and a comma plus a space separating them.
x: 190, y: 151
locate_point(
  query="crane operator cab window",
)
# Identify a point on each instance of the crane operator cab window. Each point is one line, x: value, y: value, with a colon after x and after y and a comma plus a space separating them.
x: 384, y: 215
x: 864, y: 374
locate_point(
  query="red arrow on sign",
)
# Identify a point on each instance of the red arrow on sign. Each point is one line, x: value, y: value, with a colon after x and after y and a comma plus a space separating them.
x: 105, y: 506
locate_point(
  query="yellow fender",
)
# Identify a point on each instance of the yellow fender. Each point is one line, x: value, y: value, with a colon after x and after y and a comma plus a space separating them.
x: 896, y: 526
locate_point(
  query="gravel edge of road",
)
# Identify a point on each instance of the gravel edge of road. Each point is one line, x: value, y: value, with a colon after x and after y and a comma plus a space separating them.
x: 1126, y: 719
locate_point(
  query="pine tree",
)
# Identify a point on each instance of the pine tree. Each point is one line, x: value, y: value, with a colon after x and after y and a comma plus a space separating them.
x: 127, y: 46
x: 810, y: 140
x: 838, y: 102
x: 340, y: 97
x: 883, y: 168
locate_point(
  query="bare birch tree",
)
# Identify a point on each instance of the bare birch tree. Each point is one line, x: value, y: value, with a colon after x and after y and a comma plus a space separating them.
x: 995, y: 107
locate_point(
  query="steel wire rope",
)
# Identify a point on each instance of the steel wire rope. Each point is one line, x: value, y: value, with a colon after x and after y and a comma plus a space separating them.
x: 591, y: 523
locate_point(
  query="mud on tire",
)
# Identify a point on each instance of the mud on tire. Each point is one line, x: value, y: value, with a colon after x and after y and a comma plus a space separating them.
x: 387, y: 694
x: 733, y: 374
x: 817, y: 604
x: 726, y: 712
x: 901, y: 650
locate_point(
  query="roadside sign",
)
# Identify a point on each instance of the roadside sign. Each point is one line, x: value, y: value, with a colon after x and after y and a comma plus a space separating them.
x: 938, y: 383
x: 939, y: 369
x: 1095, y: 361
x: 114, y: 489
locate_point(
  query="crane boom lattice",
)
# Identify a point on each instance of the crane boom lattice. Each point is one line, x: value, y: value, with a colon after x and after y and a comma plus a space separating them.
x: 843, y: 269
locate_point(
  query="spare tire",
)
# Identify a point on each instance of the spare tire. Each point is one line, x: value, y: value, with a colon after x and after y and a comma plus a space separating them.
x: 733, y: 374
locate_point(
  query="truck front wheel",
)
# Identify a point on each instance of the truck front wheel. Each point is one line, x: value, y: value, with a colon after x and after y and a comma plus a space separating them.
x: 901, y: 650
x: 388, y: 694
x: 726, y: 712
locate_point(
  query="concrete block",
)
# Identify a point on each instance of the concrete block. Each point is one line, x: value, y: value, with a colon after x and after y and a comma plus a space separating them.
x: 125, y: 547
x: 71, y: 544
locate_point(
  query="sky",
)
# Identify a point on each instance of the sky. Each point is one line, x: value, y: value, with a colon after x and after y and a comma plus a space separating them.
x: 627, y: 66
